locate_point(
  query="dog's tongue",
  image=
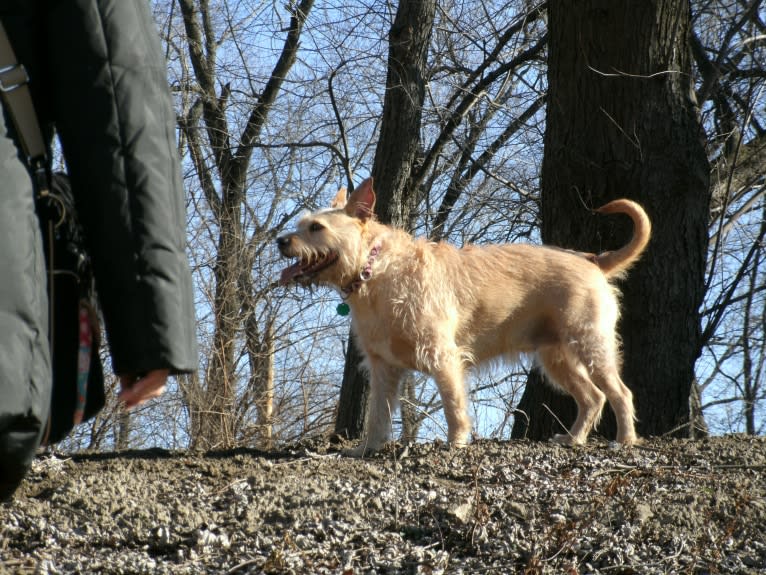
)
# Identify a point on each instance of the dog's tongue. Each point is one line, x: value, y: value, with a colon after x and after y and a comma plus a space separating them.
x: 290, y: 273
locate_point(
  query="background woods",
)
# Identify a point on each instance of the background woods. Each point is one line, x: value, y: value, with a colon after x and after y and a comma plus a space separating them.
x: 481, y: 121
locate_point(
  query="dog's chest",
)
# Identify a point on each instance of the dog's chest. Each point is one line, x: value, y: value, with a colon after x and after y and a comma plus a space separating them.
x: 382, y: 333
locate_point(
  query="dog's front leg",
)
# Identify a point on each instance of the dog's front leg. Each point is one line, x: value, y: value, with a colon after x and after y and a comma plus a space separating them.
x: 450, y: 381
x: 383, y: 402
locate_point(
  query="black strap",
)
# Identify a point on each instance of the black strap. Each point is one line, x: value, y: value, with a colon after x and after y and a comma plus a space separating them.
x: 15, y: 92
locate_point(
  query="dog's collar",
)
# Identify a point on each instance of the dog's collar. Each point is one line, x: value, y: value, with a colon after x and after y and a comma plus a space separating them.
x: 364, y: 276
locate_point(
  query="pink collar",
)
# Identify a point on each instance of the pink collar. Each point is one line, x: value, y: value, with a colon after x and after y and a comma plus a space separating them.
x: 364, y: 276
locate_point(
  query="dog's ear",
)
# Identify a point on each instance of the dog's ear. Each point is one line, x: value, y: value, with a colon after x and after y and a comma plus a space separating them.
x: 339, y: 202
x: 361, y: 204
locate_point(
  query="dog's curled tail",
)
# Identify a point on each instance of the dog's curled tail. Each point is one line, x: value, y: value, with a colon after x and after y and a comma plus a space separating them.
x: 619, y: 261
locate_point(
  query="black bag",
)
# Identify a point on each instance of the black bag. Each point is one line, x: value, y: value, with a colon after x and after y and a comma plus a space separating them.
x: 78, y: 378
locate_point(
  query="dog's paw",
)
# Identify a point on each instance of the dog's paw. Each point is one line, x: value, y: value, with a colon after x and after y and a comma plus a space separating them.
x: 458, y: 444
x: 628, y: 441
x: 566, y: 440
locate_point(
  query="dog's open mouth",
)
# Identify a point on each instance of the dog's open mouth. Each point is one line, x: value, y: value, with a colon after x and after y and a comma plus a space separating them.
x: 306, y: 268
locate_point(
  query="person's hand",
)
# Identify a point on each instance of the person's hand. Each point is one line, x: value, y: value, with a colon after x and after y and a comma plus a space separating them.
x: 136, y: 391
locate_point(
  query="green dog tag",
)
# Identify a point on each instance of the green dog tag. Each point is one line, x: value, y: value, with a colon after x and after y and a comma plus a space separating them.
x: 343, y: 309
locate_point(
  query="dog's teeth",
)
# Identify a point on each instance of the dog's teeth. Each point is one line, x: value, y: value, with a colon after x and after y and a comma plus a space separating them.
x: 306, y: 266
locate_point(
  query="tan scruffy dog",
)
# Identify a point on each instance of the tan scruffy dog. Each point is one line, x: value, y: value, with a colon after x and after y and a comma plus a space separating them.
x: 434, y: 308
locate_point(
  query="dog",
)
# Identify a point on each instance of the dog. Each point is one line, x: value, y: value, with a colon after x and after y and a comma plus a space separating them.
x: 439, y: 309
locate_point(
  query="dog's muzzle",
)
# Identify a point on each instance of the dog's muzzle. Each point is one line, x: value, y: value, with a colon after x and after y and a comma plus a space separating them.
x: 306, y: 267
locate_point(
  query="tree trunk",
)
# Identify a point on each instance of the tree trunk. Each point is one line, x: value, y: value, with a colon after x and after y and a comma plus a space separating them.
x: 411, y: 418
x: 123, y: 430
x: 214, y: 413
x: 399, y: 145
x: 395, y: 158
x: 698, y: 425
x: 622, y: 122
x: 214, y: 408
x: 261, y: 347
x: 352, y: 405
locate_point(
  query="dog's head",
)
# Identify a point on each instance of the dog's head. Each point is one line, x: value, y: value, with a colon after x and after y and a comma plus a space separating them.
x: 331, y: 244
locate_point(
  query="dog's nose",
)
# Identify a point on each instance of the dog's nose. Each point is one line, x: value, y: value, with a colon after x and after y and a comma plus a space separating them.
x: 283, y: 241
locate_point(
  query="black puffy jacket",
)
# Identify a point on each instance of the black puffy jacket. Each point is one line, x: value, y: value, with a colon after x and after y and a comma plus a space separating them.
x: 98, y: 76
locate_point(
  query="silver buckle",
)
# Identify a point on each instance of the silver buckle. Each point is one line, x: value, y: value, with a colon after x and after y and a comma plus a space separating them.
x: 11, y: 77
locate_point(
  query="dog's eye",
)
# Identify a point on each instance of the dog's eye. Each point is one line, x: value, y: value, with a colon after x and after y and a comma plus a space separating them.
x: 316, y: 227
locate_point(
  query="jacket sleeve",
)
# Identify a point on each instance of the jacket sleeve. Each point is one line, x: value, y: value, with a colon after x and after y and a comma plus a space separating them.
x: 113, y: 112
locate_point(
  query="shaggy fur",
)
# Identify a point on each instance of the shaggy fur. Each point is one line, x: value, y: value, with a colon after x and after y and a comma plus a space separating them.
x: 434, y: 308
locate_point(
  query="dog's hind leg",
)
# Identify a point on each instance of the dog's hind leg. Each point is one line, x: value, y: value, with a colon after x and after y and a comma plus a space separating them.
x: 383, y: 402
x: 571, y: 375
x: 620, y: 398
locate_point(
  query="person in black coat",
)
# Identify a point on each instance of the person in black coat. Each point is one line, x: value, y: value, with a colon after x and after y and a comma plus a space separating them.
x: 98, y: 78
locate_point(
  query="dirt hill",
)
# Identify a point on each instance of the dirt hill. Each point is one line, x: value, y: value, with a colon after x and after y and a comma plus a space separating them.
x: 494, y: 507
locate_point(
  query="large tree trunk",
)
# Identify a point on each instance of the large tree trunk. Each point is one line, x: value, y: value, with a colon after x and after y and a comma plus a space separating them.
x: 622, y: 122
x: 395, y: 158
x: 399, y: 145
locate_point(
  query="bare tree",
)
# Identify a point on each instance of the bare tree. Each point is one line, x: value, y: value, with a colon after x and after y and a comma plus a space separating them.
x: 395, y: 156
x: 207, y: 124
x: 728, y: 49
x: 622, y: 122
